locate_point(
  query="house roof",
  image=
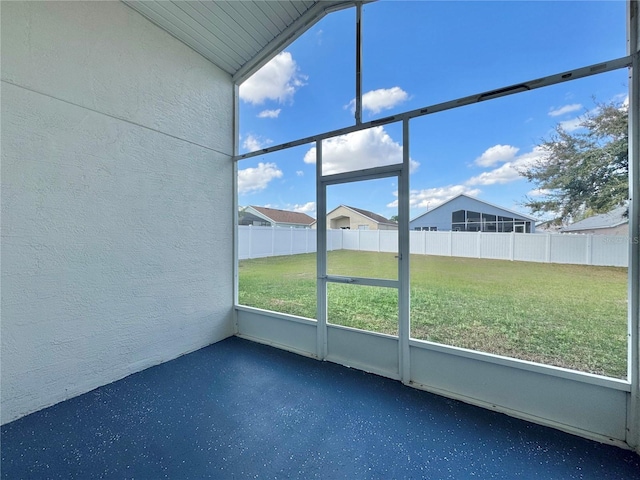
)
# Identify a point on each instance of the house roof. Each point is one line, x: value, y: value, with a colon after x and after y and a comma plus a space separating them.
x: 617, y: 216
x: 373, y: 216
x: 238, y: 36
x: 522, y: 215
x: 366, y: 213
x: 285, y: 216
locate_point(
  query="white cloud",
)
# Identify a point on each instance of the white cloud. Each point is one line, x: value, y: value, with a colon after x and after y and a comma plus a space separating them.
x: 572, y: 125
x: 496, y: 154
x: 509, y: 171
x: 622, y: 98
x: 255, y: 179
x: 382, y: 99
x: 300, y: 173
x: 368, y: 148
x: 269, y: 113
x: 309, y: 208
x: 556, y: 112
x: 278, y: 80
x: 432, y: 197
x: 539, y: 192
x: 503, y: 174
x: 252, y: 143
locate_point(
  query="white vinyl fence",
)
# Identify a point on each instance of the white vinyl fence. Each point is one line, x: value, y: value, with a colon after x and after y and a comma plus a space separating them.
x: 604, y: 250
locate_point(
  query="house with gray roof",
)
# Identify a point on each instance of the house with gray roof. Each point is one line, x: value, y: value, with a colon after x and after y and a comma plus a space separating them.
x: 615, y: 222
x: 464, y: 213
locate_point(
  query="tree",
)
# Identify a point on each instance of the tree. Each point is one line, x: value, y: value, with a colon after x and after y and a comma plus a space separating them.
x: 587, y: 172
x: 394, y: 218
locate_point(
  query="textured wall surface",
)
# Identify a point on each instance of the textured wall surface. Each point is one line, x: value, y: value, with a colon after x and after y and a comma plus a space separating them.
x: 116, y: 199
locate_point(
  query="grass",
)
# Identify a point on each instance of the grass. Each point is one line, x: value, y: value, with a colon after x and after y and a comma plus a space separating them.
x: 572, y: 316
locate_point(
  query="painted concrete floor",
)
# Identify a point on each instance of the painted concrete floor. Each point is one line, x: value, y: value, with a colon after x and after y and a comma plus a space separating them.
x: 238, y: 409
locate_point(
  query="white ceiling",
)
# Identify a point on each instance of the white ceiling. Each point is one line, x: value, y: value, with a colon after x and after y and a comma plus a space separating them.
x: 238, y: 36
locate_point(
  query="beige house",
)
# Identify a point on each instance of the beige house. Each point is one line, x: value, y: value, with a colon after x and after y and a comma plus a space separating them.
x: 352, y: 218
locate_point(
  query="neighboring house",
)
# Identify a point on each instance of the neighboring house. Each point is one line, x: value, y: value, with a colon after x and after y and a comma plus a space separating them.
x: 353, y: 218
x: 615, y: 222
x: 272, y: 217
x: 463, y: 213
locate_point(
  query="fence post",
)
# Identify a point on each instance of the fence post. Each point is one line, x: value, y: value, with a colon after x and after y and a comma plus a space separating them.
x: 273, y: 240
x: 547, y: 253
x: 589, y: 248
x: 513, y: 246
x: 479, y: 244
x: 250, y: 242
x: 450, y: 243
x: 291, y: 241
x: 379, y: 240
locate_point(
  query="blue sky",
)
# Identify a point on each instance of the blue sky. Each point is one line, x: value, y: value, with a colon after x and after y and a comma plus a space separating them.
x: 417, y: 54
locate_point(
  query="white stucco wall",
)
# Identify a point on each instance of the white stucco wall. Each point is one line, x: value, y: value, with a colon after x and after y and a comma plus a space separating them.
x: 116, y: 199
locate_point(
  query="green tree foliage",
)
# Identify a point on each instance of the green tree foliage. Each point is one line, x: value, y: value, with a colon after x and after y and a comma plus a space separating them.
x: 586, y: 172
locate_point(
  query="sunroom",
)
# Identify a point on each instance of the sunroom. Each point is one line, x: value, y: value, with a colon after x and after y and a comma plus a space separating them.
x: 127, y: 150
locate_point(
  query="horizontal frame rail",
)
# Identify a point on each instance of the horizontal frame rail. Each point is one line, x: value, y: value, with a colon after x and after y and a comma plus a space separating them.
x: 384, y: 171
x: 370, y: 282
x: 440, y: 107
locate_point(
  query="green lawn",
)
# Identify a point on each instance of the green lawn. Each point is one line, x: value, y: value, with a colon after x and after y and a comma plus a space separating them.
x: 571, y: 316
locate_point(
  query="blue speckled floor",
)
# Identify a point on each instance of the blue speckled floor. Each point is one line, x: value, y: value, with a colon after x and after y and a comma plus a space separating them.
x: 243, y: 410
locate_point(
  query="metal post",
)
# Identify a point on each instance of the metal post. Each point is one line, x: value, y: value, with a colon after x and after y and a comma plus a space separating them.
x: 358, y: 63
x: 234, y: 183
x: 404, y: 300
x: 321, y: 257
x: 633, y: 48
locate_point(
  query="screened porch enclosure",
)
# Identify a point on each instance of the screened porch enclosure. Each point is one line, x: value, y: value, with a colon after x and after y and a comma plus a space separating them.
x: 451, y: 349
x: 127, y: 272
x: 466, y: 221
